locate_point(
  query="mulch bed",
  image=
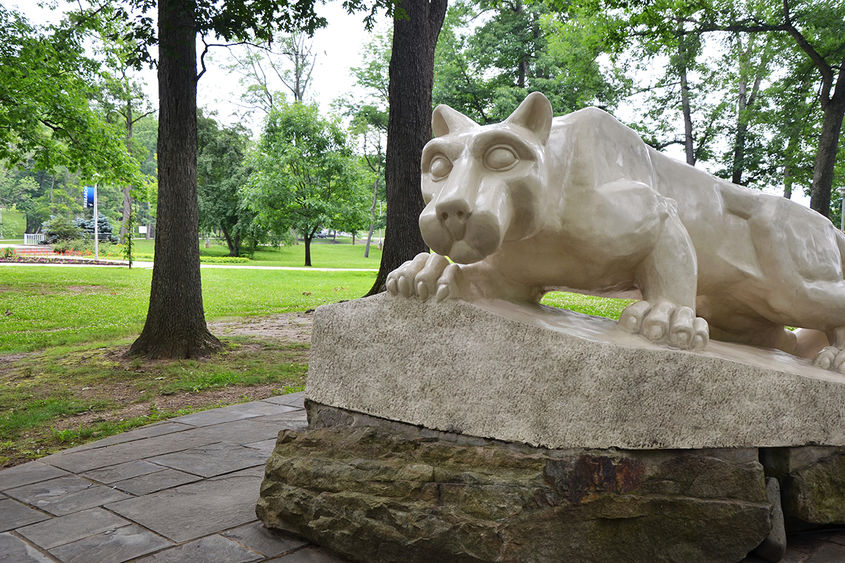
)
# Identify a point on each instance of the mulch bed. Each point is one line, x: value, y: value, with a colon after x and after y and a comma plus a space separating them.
x: 59, y: 260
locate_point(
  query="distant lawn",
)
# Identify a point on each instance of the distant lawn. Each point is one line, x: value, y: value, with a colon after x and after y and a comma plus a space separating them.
x: 13, y: 224
x: 324, y: 254
x: 587, y: 304
x: 46, y: 306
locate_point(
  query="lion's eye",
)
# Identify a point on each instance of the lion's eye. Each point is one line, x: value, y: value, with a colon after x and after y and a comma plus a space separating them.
x: 500, y: 158
x: 440, y: 167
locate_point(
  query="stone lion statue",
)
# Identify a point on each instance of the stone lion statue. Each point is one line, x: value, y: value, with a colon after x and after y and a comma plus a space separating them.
x: 580, y: 202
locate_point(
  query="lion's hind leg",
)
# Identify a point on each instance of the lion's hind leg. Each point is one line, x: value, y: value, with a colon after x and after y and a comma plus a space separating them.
x: 832, y: 357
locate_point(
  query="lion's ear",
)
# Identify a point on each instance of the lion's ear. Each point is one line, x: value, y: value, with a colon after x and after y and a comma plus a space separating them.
x: 535, y: 114
x: 445, y: 120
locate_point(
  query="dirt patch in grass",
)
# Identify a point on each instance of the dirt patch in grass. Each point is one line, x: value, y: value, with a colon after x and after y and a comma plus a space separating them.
x: 87, y: 289
x: 9, y: 359
x: 178, y: 401
x: 289, y: 327
x: 63, y: 397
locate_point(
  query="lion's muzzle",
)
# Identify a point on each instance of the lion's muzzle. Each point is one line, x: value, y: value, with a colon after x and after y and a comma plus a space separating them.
x: 463, y: 231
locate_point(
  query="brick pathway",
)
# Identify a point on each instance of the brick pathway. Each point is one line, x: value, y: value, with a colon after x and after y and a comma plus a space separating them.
x: 185, y: 490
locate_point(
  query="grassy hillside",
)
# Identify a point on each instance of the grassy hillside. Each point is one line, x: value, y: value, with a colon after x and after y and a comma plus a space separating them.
x: 13, y: 224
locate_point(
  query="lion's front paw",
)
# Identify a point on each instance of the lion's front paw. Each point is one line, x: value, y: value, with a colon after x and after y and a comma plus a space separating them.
x: 666, y: 323
x: 424, y: 276
x: 831, y: 358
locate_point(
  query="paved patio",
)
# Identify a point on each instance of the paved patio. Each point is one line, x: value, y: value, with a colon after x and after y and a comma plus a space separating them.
x: 185, y: 490
x: 176, y: 491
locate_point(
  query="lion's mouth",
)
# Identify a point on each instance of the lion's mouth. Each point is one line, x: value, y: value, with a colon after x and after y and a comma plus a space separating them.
x: 482, y: 236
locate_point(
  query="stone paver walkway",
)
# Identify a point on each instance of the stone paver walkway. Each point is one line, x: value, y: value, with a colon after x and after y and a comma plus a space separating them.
x: 183, y: 490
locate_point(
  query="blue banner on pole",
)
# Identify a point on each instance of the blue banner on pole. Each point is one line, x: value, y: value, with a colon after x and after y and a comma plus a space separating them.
x: 88, y: 196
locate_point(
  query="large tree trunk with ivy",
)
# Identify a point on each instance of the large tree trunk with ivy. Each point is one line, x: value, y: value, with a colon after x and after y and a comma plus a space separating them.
x: 415, y: 30
x: 176, y: 326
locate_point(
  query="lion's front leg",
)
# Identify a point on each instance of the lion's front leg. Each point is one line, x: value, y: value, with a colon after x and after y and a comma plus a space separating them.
x: 668, y: 280
x: 425, y: 276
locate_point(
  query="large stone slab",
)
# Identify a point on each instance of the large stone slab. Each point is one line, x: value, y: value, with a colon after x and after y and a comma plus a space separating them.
x: 375, y: 495
x: 197, y: 509
x: 14, y: 515
x: 812, y: 480
x: 65, y: 495
x: 559, y: 379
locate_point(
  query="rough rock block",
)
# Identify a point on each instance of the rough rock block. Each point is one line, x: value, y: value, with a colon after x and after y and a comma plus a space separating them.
x: 553, y: 378
x: 812, y: 481
x: 374, y: 495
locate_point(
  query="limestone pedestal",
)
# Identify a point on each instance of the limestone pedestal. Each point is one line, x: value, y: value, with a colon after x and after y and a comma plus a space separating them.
x: 495, y: 432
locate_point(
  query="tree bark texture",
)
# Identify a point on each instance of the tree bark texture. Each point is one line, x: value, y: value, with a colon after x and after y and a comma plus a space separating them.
x: 175, y: 326
x: 415, y: 31
x: 127, y: 210
x: 834, y: 113
x: 689, y: 149
x: 307, y: 239
x: 127, y: 196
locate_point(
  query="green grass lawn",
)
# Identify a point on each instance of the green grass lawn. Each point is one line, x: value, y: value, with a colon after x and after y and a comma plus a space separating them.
x: 13, y: 224
x: 42, y: 306
x: 324, y: 254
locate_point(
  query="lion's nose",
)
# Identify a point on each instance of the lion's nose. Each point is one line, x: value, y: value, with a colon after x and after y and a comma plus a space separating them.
x: 453, y: 213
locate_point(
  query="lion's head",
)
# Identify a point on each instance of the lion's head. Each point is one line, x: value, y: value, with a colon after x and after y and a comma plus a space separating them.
x: 481, y: 184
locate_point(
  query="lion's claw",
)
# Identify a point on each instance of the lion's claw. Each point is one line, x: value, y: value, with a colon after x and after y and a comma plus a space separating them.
x: 832, y: 358
x: 666, y: 323
x: 425, y: 276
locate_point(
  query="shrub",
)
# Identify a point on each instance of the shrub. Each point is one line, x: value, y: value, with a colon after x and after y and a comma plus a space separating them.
x: 105, y: 232
x: 60, y: 228
x: 224, y: 259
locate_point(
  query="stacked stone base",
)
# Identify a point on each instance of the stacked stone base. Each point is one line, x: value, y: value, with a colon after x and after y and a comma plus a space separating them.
x: 384, y: 494
x: 455, y: 432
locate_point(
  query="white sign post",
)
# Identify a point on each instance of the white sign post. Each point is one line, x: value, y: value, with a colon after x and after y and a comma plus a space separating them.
x: 96, y: 227
x: 89, y: 194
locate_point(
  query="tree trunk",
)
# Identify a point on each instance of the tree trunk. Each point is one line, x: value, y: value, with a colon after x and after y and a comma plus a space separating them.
x: 408, y: 129
x: 372, y: 216
x: 834, y: 112
x: 175, y: 326
x: 127, y: 211
x: 307, y: 238
x: 689, y: 149
x: 232, y: 244
x: 127, y: 196
x: 738, y: 164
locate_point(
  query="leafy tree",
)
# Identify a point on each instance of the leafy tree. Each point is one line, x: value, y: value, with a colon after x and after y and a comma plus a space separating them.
x: 519, y: 48
x: 144, y: 141
x: 59, y: 229
x: 815, y: 30
x: 46, y: 82
x: 368, y: 122
x: 221, y: 171
x: 305, y: 176
x: 810, y: 29
x: 175, y: 325
x: 289, y: 60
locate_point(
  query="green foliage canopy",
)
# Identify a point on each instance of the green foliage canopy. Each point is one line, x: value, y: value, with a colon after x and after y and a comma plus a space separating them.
x: 304, y: 174
x: 46, y: 82
x: 222, y: 170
